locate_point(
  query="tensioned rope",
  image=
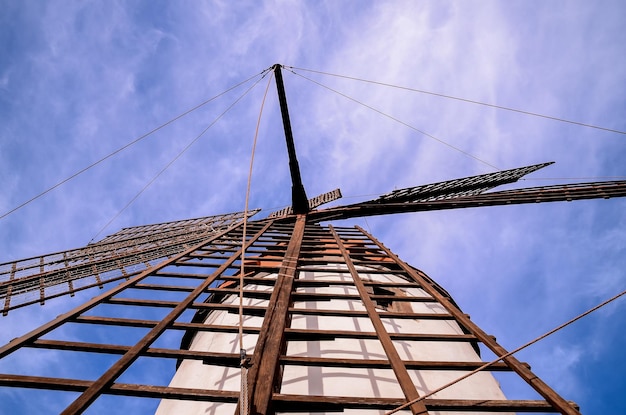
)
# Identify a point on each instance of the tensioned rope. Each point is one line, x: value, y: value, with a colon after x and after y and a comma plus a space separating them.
x: 486, y: 365
x: 243, y: 394
x: 396, y: 120
x: 262, y: 73
x: 192, y: 142
x: 471, y: 101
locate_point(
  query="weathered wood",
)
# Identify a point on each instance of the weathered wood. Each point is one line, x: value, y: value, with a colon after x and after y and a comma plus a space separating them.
x: 217, y: 359
x: 310, y: 334
x: 107, y: 379
x: 260, y: 310
x: 302, y: 296
x: 329, y: 283
x: 124, y: 389
x: 162, y: 287
x: 557, y: 193
x: 263, y: 374
x: 380, y: 363
x: 525, y: 373
x: 336, y: 403
x: 398, y: 367
x: 386, y: 314
x: 313, y: 268
x: 51, y: 325
x: 282, y: 401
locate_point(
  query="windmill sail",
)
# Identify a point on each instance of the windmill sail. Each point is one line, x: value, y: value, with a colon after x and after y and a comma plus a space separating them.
x: 324, y: 307
x: 468, y: 186
x: 456, y: 195
x: 118, y: 256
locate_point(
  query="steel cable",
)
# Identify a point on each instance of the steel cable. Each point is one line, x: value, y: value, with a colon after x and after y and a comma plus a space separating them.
x: 128, y: 145
x: 243, y: 394
x: 176, y: 158
x: 398, y: 121
x: 500, y: 107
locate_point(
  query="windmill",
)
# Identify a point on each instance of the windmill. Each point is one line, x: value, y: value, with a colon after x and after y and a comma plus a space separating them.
x: 327, y: 318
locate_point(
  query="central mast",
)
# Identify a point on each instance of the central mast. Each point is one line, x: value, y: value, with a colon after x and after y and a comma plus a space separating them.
x: 299, y: 200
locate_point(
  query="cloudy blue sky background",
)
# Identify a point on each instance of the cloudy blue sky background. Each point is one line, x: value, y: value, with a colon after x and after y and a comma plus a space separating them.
x: 79, y: 80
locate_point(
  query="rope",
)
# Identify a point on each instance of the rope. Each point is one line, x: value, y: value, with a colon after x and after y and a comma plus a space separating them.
x: 500, y: 107
x: 176, y: 158
x: 129, y: 144
x: 244, y: 406
x: 400, y: 122
x: 243, y: 394
x: 486, y: 365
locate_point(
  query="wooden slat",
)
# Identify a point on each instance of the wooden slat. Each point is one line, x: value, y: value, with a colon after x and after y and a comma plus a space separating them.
x: 380, y: 363
x: 286, y: 402
x: 309, y: 334
x: 216, y: 359
x: 282, y: 401
x: 382, y: 314
x: 232, y: 359
x: 162, y: 287
x: 124, y: 389
x: 290, y: 333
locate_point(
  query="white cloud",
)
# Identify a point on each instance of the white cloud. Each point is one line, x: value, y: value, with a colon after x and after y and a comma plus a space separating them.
x: 86, y: 78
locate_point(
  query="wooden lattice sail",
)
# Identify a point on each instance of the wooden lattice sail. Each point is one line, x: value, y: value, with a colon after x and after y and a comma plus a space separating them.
x: 118, y: 256
x: 333, y: 321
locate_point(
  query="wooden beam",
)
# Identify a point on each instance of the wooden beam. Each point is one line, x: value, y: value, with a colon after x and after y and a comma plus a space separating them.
x: 308, y: 334
x: 300, y: 202
x: 264, y: 372
x: 399, y: 369
x: 338, y: 403
x: 124, y: 389
x: 383, y: 364
x: 557, y: 193
x: 282, y: 401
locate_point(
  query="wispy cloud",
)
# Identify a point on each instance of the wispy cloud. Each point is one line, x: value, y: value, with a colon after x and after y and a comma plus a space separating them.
x: 79, y: 80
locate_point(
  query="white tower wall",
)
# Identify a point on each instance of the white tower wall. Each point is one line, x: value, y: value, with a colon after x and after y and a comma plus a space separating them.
x: 337, y: 381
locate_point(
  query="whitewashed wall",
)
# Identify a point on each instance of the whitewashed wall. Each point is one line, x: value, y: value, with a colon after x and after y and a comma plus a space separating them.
x: 354, y: 382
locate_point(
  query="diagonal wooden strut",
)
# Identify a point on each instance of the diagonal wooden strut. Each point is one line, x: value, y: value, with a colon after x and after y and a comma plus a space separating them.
x: 406, y: 384
x: 263, y: 374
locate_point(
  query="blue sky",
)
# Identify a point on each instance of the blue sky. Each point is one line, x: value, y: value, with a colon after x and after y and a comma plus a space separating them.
x: 80, y: 79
